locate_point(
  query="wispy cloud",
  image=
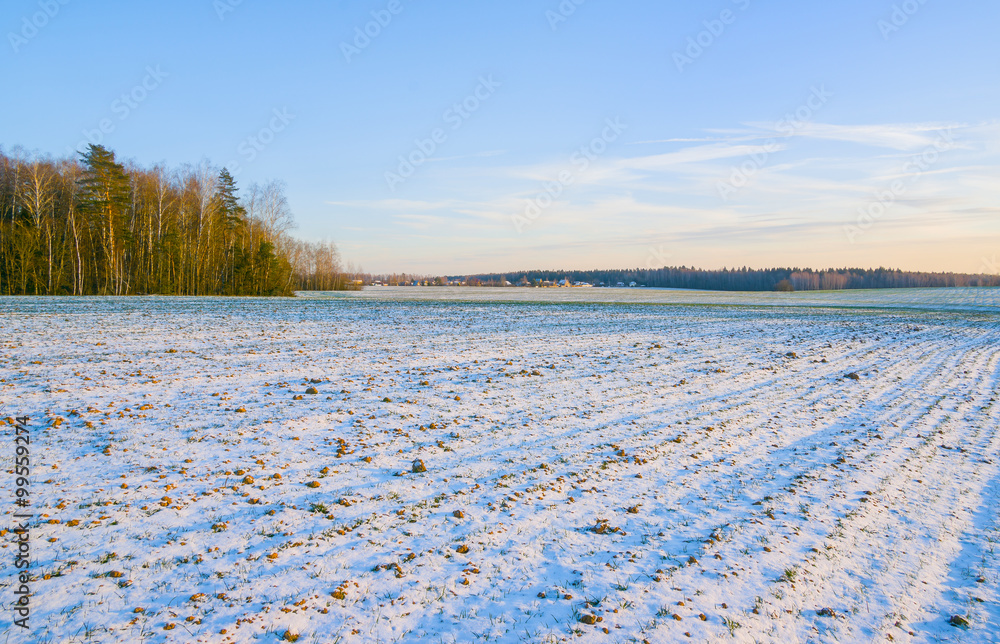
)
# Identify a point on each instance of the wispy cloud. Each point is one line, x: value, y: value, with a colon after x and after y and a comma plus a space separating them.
x: 895, y: 136
x: 478, y: 155
x: 687, y: 156
x: 397, y: 204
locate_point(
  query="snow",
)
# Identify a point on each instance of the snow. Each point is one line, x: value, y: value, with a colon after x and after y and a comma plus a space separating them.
x: 641, y: 456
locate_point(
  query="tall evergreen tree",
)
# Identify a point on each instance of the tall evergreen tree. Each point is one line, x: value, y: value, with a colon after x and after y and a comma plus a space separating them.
x: 232, y: 219
x: 225, y: 195
x: 104, y: 196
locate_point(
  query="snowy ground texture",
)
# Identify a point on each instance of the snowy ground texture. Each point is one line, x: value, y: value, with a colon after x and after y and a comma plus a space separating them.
x: 595, y: 472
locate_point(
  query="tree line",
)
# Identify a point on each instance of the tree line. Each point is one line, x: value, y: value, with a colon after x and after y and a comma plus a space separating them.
x: 726, y: 279
x: 97, y: 226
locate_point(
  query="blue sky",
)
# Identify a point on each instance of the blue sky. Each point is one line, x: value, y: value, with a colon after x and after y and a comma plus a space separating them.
x: 548, y: 134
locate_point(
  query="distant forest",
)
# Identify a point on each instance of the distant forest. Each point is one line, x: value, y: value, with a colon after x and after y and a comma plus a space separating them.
x: 734, y: 279
x: 96, y: 226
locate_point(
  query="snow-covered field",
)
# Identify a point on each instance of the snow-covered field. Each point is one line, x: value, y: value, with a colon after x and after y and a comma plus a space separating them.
x: 656, y: 467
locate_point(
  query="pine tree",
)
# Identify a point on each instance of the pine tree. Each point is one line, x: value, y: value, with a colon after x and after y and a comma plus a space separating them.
x: 104, y: 198
x: 225, y: 195
x: 232, y: 217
